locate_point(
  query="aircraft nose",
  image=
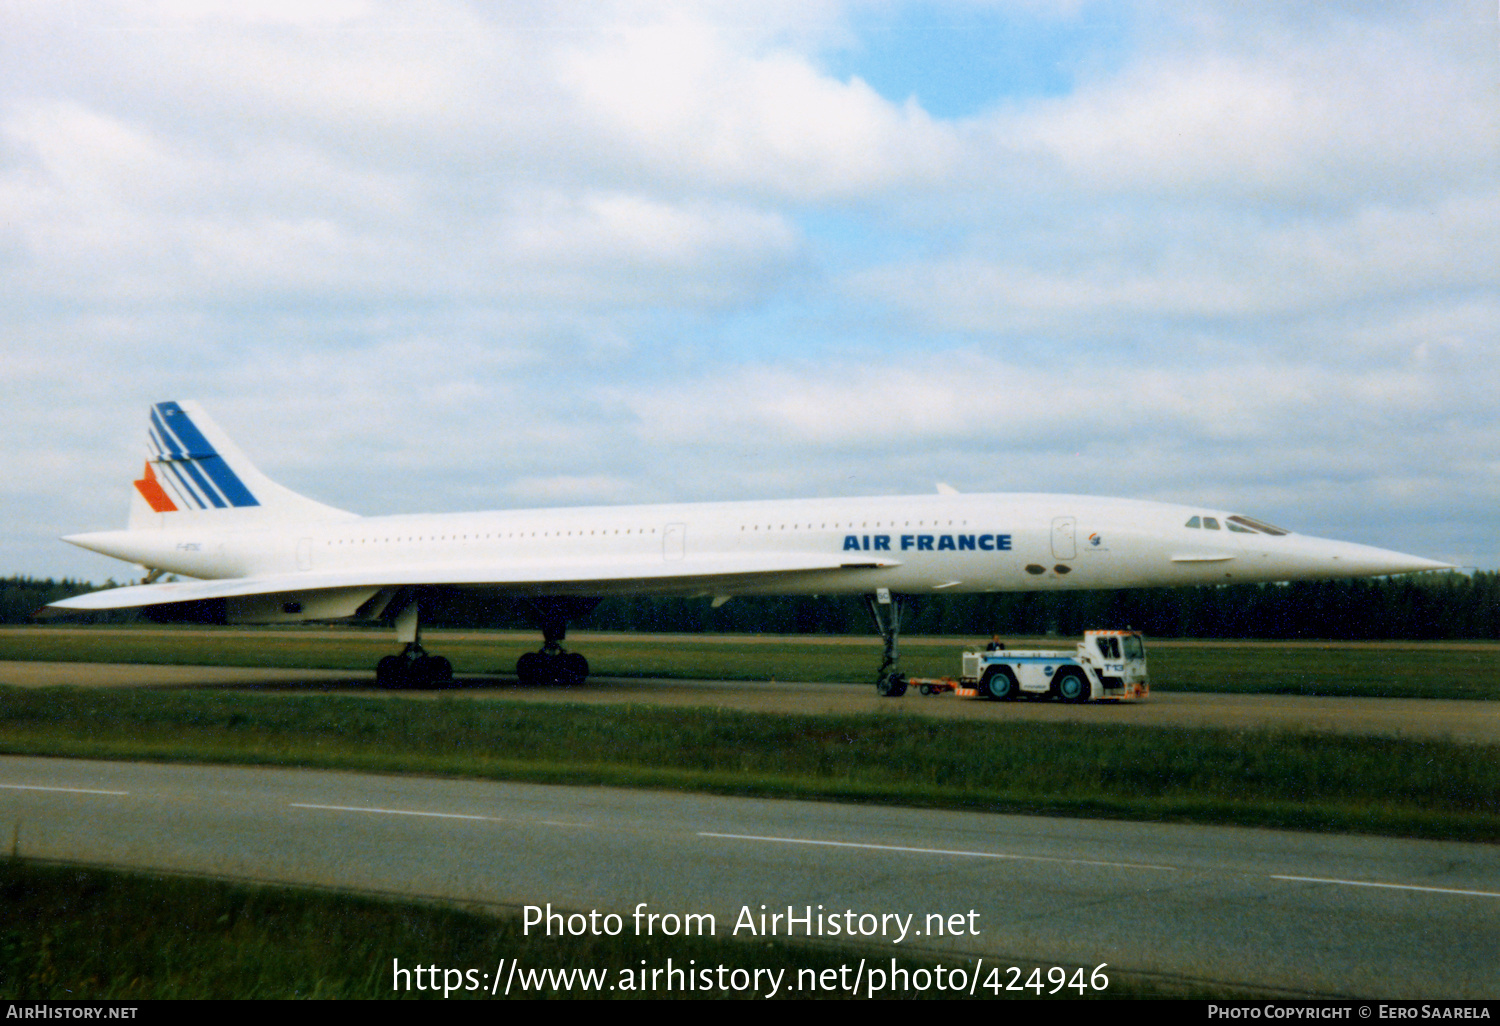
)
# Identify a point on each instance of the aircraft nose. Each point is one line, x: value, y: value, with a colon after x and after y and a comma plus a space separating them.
x: 1350, y: 560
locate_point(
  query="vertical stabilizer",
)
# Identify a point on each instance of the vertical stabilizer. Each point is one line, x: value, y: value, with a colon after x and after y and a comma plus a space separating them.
x: 194, y: 472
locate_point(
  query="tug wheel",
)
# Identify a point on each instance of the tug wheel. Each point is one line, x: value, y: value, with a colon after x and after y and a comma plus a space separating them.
x: 999, y: 684
x: 1071, y: 686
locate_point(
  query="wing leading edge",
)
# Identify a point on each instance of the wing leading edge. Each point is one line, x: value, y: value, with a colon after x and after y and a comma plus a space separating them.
x: 521, y: 576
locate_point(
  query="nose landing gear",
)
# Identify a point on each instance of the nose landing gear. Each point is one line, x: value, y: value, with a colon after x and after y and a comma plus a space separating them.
x: 889, y: 682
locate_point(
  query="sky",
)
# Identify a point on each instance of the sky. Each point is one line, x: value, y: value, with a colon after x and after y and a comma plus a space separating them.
x: 449, y: 256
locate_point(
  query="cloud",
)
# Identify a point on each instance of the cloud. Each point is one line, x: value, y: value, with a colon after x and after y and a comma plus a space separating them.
x: 1322, y: 450
x: 465, y: 256
x: 679, y: 101
x: 951, y: 396
x: 1257, y: 106
x: 1216, y: 265
x: 372, y: 157
x: 571, y: 490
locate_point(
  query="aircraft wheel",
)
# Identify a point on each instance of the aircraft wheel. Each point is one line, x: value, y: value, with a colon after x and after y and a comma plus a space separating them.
x: 422, y: 672
x: 891, y: 686
x: 439, y: 670
x: 573, y: 669
x: 417, y: 671
x: 1071, y: 686
x: 529, y: 669
x: 999, y: 684
x: 389, y: 672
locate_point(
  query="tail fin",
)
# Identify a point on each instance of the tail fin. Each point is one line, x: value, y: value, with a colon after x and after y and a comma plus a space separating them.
x: 194, y: 470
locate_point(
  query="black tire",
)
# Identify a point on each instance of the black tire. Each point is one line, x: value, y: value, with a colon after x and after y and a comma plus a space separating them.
x: 891, y: 686
x: 529, y: 669
x: 422, y: 672
x: 1070, y: 685
x: 573, y: 669
x: 390, y: 672
x: 999, y: 684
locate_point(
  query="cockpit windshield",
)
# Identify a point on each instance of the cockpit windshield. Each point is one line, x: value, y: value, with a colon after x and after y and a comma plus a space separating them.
x: 1238, y: 524
x: 1247, y: 524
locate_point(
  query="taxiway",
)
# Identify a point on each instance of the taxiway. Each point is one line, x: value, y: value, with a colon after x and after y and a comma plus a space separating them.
x: 1270, y: 911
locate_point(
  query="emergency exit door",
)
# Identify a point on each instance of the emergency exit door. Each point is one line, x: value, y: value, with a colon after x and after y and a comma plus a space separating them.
x: 1064, y: 545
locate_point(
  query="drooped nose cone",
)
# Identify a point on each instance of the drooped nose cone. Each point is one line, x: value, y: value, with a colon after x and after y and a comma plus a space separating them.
x: 1321, y: 557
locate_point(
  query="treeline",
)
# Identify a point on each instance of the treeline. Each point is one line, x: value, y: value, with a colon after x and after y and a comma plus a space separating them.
x: 1427, y: 607
x: 1420, y: 608
x: 21, y: 597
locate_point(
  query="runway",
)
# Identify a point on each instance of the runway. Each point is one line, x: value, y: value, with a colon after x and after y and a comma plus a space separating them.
x: 1471, y: 721
x: 1272, y: 911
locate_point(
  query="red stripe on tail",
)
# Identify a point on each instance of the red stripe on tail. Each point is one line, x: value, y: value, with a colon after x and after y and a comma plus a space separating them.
x: 152, y: 491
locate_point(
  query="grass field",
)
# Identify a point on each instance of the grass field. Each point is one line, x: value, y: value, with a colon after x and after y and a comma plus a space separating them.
x: 1296, y: 780
x: 1372, y: 670
x: 74, y: 933
x: 1307, y: 781
x: 80, y: 934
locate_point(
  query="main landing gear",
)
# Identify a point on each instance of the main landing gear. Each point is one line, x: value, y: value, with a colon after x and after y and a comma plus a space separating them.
x: 885, y: 611
x: 552, y: 665
x: 414, y: 667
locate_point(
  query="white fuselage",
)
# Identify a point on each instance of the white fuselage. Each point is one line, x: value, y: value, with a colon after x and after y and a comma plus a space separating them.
x: 907, y: 544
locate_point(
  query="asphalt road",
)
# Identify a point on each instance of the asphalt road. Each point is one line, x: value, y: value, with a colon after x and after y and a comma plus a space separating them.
x: 1289, y: 912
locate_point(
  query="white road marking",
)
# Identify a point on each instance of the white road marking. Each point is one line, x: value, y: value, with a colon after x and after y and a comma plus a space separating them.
x: 396, y: 812
x: 937, y: 851
x: 69, y: 790
x: 1390, y: 886
x: 1086, y: 862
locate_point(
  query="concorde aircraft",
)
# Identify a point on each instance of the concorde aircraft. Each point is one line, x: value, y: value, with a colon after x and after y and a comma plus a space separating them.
x: 260, y: 553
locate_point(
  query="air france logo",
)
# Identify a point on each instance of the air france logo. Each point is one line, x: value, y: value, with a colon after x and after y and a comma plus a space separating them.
x: 928, y: 542
x: 193, y: 474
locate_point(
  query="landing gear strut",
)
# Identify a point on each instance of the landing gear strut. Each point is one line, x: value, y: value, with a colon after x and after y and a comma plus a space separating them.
x: 552, y: 665
x: 889, y: 682
x: 414, y: 667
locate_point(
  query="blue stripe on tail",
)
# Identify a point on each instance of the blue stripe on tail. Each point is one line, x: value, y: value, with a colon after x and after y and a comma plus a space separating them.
x: 186, y: 448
